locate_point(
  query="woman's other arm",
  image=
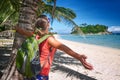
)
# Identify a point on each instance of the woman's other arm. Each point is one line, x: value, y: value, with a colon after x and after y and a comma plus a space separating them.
x: 23, y: 32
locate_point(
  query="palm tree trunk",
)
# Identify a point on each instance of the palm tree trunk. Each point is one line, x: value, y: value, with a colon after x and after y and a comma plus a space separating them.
x: 26, y: 21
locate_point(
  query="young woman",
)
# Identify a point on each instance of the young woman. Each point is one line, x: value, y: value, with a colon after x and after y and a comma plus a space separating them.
x: 48, y: 47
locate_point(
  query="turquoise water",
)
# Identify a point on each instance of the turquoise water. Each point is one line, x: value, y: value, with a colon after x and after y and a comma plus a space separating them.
x: 111, y: 40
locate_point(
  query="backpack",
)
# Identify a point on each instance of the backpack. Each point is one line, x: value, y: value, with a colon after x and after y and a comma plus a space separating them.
x: 27, y: 59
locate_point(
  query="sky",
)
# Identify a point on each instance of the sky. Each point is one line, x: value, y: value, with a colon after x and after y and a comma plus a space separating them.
x: 105, y: 12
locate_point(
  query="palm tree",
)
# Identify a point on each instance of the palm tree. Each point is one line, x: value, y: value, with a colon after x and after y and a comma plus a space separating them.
x: 11, y: 11
x: 26, y: 19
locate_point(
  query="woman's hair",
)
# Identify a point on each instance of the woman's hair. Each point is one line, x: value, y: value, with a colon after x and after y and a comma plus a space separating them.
x: 41, y: 24
x: 42, y: 16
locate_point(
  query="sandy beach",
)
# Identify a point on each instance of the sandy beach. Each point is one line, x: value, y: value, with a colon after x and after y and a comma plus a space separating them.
x: 105, y: 61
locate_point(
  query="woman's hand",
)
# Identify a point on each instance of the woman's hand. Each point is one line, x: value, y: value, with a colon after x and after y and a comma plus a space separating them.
x: 85, y: 63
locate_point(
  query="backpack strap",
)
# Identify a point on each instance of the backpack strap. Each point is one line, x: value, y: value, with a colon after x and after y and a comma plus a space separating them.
x: 43, y: 38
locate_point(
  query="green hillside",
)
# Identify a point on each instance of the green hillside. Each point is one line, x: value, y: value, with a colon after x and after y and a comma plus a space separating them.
x: 91, y: 29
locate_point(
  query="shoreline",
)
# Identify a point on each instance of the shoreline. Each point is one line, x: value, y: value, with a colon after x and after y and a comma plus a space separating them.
x: 87, y: 44
x: 104, y: 59
x: 96, y: 44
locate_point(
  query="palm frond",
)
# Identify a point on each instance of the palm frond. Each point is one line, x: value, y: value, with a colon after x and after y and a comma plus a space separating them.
x: 9, y: 8
x: 16, y: 4
x: 49, y: 1
x: 61, y: 14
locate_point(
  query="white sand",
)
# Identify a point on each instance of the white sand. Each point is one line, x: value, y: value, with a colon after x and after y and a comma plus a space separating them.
x: 105, y: 61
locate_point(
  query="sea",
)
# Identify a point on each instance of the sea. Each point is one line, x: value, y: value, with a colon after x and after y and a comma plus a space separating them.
x: 110, y: 40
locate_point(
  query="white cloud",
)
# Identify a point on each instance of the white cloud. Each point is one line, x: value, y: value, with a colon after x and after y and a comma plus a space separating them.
x: 114, y: 29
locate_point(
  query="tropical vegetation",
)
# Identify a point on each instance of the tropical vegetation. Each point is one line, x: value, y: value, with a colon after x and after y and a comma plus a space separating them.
x: 10, y: 9
x: 91, y: 29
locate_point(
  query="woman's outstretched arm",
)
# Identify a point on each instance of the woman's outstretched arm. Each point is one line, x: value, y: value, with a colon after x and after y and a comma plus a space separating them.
x: 82, y: 58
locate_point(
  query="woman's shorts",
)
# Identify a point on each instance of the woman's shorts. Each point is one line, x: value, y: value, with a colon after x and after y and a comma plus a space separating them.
x: 41, y: 77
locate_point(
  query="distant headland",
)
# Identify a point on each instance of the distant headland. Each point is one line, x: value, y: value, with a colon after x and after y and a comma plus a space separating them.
x: 90, y: 29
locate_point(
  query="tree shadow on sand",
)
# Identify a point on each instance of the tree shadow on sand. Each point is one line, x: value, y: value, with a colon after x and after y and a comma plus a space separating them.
x: 60, y: 59
x: 4, y: 58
